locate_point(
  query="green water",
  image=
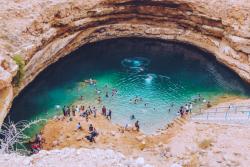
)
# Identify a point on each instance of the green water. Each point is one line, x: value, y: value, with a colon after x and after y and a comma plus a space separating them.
x: 160, y: 73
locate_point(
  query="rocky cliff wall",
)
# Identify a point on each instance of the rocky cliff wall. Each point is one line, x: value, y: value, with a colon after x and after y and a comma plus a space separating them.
x: 44, y: 31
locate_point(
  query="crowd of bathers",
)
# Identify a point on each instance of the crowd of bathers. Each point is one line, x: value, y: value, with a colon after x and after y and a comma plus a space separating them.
x: 69, y: 111
x: 187, y: 108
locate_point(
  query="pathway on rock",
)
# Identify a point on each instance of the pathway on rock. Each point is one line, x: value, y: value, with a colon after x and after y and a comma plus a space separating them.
x: 232, y: 112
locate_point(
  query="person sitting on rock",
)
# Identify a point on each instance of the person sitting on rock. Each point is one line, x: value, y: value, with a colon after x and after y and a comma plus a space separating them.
x: 35, y: 148
x: 38, y: 138
x: 91, y: 128
x: 78, y: 126
x: 92, y: 134
x: 209, y: 104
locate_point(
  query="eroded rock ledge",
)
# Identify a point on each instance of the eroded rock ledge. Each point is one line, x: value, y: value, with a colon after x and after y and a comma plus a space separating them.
x: 44, y: 31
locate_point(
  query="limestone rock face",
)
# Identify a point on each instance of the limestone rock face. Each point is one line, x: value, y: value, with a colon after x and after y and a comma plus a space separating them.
x: 44, y: 31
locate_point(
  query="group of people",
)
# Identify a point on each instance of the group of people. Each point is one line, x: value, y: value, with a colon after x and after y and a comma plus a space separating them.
x: 88, y: 112
x: 107, y: 115
x: 71, y: 111
x: 186, y: 109
x: 98, y: 92
x: 136, y: 100
x: 92, y: 132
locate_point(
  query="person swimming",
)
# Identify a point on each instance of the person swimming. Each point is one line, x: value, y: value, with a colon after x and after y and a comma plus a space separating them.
x: 91, y: 81
x: 114, y: 91
x: 99, y: 99
x: 132, y: 117
x: 97, y: 91
x: 136, y: 100
x: 81, y: 97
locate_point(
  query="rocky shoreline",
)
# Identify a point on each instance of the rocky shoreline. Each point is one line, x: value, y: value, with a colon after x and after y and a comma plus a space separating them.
x: 180, y: 143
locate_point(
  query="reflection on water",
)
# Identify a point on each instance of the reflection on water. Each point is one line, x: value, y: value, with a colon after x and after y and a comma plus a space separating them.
x: 158, y: 73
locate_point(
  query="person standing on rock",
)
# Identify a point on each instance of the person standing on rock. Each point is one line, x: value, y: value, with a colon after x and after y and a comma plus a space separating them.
x: 190, y: 107
x: 68, y: 111
x: 186, y: 108
x: 94, y: 111
x: 109, y: 114
x: 73, y: 111
x: 64, y: 111
x: 137, y: 126
x: 104, y: 111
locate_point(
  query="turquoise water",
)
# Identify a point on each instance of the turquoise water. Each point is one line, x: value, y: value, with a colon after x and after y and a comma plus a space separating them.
x: 161, y: 73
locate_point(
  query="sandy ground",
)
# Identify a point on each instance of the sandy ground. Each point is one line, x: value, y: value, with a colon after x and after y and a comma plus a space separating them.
x: 62, y: 133
x: 183, y: 142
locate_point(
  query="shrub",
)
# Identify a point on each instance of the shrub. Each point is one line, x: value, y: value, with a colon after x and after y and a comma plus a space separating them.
x: 20, y: 73
x: 13, y: 137
x: 204, y: 144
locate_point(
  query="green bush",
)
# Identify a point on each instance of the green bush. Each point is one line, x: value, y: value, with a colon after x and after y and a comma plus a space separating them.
x: 20, y: 73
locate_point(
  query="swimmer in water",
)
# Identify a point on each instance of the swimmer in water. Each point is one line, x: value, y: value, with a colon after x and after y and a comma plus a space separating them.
x: 81, y: 98
x: 99, y: 99
x: 91, y: 81
x: 114, y: 92
x: 107, y: 95
x: 97, y: 91
x: 132, y: 117
x: 136, y: 100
